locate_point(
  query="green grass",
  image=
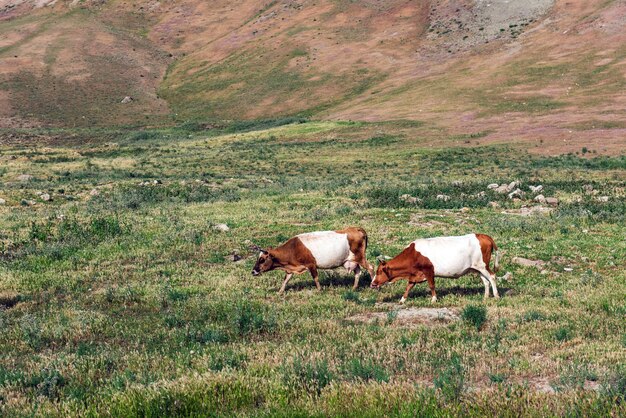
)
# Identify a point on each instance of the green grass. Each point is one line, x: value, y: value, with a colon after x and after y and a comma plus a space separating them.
x: 128, y: 302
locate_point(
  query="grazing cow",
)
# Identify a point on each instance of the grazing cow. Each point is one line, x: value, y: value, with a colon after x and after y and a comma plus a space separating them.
x: 317, y: 250
x: 450, y: 257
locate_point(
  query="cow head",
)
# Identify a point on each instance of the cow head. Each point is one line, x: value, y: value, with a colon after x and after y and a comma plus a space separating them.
x: 382, y: 275
x: 264, y: 263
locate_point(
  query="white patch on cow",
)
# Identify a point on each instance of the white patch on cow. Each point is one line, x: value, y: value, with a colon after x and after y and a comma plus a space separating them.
x: 433, y: 299
x: 452, y: 256
x: 261, y: 254
x: 402, y: 299
x: 330, y: 249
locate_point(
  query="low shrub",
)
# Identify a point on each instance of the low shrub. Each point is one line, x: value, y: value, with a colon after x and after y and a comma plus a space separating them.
x: 475, y: 315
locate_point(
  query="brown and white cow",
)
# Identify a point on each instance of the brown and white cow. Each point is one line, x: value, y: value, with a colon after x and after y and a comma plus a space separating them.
x: 317, y: 250
x: 449, y: 257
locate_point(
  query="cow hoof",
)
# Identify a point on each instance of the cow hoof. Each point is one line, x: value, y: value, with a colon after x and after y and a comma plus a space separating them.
x: 434, y: 299
x: 402, y: 300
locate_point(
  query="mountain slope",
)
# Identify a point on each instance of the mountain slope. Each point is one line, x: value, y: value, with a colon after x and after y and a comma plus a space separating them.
x: 540, y: 68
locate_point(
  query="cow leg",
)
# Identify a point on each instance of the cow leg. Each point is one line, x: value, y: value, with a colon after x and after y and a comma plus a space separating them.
x: 492, y: 280
x: 409, y: 286
x: 431, y: 284
x: 367, y: 266
x: 357, y: 275
x: 313, y: 271
x: 287, y: 278
x: 486, y: 283
x: 488, y: 277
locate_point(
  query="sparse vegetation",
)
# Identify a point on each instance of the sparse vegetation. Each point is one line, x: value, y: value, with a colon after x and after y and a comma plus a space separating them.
x: 132, y: 283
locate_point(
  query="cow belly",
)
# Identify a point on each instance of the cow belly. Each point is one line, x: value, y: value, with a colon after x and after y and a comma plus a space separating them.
x: 330, y: 249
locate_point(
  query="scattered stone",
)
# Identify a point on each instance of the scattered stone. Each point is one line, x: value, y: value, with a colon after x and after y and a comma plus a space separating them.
x: 221, y: 227
x: 457, y: 183
x: 94, y: 192
x: 588, y: 188
x: 45, y: 197
x: 494, y: 205
x: 410, y: 199
x: 24, y: 177
x: 540, y: 198
x: 443, y: 197
x: 2, y: 201
x: 602, y: 199
x: 512, y: 185
x: 517, y: 193
x: 507, y: 276
x: 481, y: 194
x: 26, y: 202
x: 552, y: 201
x: 126, y: 99
x: 502, y: 189
x: 568, y: 269
x: 536, y: 189
x: 408, y: 316
x: 492, y: 186
x: 525, y: 262
x: 464, y: 210
x: 155, y: 182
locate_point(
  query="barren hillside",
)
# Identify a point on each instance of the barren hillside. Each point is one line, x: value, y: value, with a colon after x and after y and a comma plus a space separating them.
x: 540, y: 68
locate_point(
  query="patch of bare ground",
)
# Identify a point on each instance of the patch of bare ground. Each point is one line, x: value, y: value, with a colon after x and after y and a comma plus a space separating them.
x: 408, y: 316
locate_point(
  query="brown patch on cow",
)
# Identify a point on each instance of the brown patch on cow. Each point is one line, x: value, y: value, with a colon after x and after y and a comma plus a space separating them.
x: 357, y: 240
x: 487, y: 247
x: 293, y: 255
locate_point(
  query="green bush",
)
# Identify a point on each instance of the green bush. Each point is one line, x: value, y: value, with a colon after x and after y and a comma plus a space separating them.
x: 563, y: 334
x: 475, y: 315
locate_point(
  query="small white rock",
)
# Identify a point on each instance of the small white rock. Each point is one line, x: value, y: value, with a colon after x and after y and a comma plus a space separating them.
x: 493, y: 186
x: 46, y: 197
x: 221, y: 227
x: 24, y: 177
x: 94, y: 192
x: 552, y: 201
x: 2, y: 201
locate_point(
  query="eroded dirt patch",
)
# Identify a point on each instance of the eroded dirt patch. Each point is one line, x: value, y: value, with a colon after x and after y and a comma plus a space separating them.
x: 408, y: 316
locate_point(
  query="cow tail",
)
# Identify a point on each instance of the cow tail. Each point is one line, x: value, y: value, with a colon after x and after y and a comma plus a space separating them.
x: 496, y: 260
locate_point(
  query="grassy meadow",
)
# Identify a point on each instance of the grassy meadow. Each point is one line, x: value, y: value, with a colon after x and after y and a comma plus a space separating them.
x: 120, y: 297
